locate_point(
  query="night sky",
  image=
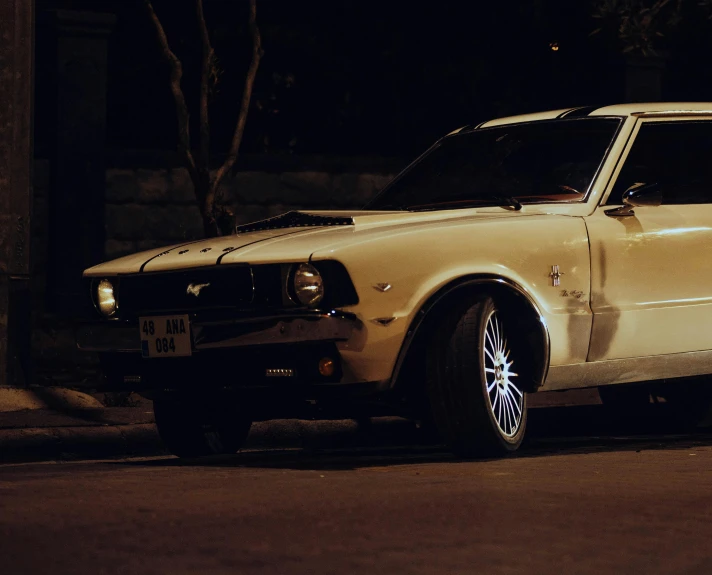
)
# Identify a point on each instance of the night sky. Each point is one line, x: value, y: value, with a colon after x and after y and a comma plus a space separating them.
x: 365, y: 77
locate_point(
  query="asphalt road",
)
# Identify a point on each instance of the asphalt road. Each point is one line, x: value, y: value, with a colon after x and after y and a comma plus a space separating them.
x: 599, y: 503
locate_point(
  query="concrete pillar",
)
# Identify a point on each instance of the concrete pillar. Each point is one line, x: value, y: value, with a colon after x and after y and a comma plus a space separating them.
x: 78, y: 174
x: 16, y: 95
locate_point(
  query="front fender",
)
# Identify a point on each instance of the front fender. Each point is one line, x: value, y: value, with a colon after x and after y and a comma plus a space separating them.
x: 419, y: 261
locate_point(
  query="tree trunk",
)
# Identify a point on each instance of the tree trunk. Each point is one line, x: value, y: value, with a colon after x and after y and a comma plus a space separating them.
x: 217, y: 219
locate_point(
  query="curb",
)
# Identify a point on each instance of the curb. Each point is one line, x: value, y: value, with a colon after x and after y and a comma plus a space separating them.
x: 18, y: 399
x: 89, y: 442
x: 60, y: 423
x: 142, y: 439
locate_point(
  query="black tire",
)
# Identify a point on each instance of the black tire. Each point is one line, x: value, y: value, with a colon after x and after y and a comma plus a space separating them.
x: 457, y: 383
x: 198, y: 429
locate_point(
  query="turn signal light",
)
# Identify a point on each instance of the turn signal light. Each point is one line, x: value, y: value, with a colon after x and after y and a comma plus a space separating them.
x: 327, y: 366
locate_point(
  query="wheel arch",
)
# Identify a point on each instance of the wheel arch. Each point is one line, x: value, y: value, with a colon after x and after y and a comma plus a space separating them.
x: 518, y: 302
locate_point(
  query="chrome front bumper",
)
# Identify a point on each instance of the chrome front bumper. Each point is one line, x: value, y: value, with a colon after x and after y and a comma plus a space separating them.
x: 124, y: 336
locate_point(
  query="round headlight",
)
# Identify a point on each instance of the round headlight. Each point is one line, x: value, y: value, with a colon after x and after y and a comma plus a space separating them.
x: 105, y: 299
x: 308, y: 285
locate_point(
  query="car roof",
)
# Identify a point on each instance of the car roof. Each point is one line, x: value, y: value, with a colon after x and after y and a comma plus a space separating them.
x: 636, y: 109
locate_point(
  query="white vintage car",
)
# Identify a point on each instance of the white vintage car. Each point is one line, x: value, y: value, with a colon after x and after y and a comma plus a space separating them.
x: 548, y: 251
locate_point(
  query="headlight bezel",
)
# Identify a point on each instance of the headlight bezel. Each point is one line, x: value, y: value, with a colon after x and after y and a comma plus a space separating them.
x: 298, y: 294
x: 339, y: 289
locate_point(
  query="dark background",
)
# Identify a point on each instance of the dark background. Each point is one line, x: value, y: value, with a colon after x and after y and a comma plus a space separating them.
x: 348, y: 91
x: 366, y: 77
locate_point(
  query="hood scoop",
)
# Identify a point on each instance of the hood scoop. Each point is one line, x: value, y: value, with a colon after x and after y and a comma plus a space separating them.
x: 294, y: 220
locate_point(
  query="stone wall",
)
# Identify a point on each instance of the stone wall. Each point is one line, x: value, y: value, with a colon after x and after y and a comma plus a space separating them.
x: 147, y: 208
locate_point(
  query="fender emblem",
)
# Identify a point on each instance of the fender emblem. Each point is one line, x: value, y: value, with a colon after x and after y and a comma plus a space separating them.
x: 194, y: 289
x: 555, y: 275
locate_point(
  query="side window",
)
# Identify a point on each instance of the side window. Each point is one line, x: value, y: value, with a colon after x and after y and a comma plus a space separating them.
x: 675, y: 155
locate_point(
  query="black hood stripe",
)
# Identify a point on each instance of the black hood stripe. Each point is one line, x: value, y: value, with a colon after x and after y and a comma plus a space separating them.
x: 219, y: 260
x: 166, y: 252
x: 566, y: 112
x: 231, y: 250
x: 579, y: 112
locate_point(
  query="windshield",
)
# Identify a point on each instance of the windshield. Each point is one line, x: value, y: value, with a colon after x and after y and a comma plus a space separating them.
x: 539, y: 162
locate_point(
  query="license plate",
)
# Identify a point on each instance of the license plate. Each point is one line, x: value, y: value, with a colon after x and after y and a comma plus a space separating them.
x: 165, y: 336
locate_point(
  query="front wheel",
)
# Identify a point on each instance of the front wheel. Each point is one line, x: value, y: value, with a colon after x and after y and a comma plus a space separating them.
x: 196, y: 429
x: 479, y: 406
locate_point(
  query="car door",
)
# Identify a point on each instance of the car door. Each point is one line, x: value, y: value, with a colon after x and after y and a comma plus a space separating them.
x: 651, y: 273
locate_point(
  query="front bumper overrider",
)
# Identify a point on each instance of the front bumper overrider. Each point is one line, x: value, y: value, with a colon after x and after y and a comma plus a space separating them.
x: 226, y: 332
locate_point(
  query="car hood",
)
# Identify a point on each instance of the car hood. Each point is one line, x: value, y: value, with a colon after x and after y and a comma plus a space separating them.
x: 290, y: 237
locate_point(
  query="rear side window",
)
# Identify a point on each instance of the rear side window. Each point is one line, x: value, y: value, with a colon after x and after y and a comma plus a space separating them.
x: 675, y: 155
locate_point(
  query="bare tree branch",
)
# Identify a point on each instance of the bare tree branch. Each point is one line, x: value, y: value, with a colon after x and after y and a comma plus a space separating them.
x: 176, y: 70
x: 215, y: 218
x: 244, y: 108
x: 204, y: 150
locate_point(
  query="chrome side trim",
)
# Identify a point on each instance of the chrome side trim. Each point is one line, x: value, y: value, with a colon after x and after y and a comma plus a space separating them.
x: 611, y: 372
x: 445, y: 292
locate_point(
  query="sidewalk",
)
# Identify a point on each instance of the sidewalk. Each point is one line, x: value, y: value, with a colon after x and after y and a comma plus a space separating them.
x: 58, y: 423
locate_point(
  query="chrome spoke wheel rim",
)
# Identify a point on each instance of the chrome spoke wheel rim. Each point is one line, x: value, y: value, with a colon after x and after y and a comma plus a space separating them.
x: 506, y: 400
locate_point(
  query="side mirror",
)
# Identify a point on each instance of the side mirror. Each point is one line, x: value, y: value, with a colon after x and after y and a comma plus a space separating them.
x: 637, y: 196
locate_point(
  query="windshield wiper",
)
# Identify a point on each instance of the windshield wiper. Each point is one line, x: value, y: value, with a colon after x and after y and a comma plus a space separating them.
x: 491, y: 199
x: 506, y: 200
x: 390, y: 208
